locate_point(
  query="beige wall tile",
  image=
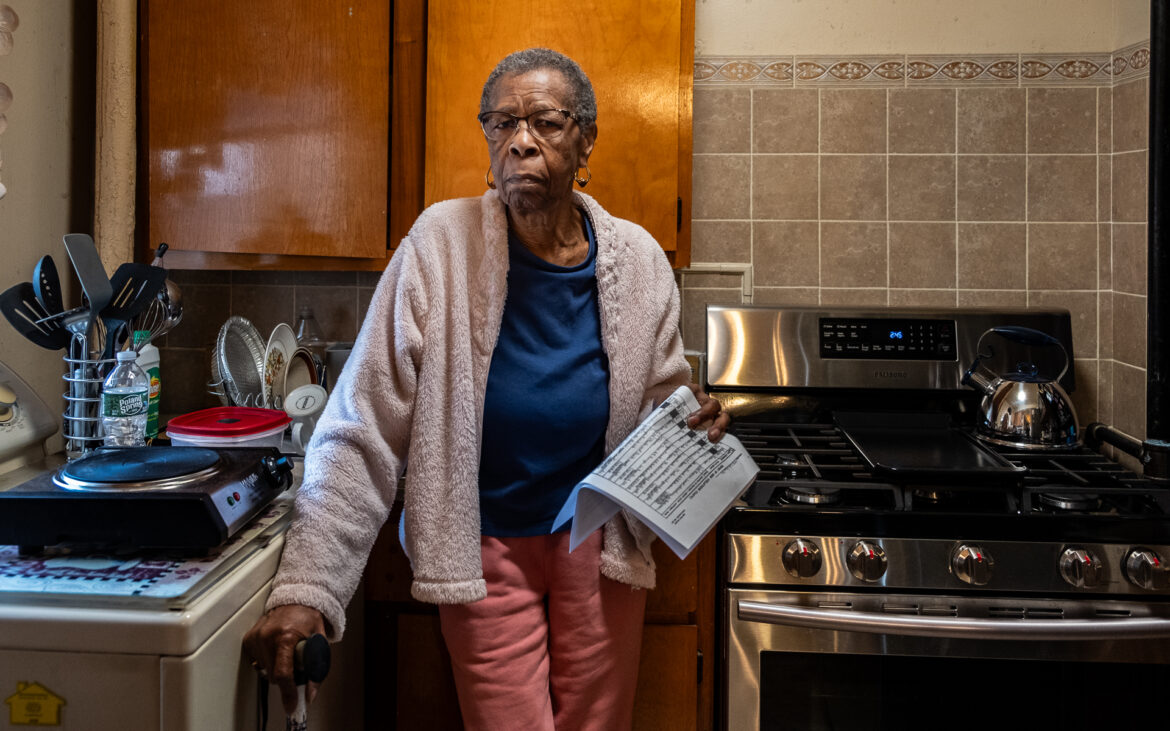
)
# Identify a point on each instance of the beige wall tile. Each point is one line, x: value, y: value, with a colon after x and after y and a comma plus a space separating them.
x: 853, y: 254
x: 1105, y: 324
x: 1131, y: 115
x: 713, y: 241
x: 784, y: 187
x: 1104, y: 120
x: 785, y: 120
x: 786, y: 296
x: 990, y: 120
x: 991, y: 187
x: 1130, y: 183
x: 922, y: 120
x: 834, y: 297
x: 853, y: 187
x: 1062, y: 187
x: 922, y: 255
x: 853, y: 120
x: 1129, y: 329
x: 1083, y: 308
x: 1062, y: 256
x: 694, y: 313
x: 1129, y: 399
x: 1104, y: 256
x: 922, y: 187
x: 992, y: 298
x: 1130, y: 249
x: 1104, y: 187
x: 1062, y: 120
x: 992, y: 255
x: 712, y: 280
x: 922, y: 298
x: 721, y: 186
x: 1084, y: 397
x: 786, y: 253
x: 721, y: 119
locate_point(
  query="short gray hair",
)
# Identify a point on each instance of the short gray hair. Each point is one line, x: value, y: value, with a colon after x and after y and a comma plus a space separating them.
x: 583, y: 102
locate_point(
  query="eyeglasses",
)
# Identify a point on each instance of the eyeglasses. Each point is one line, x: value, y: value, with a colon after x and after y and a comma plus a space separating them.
x: 547, y: 124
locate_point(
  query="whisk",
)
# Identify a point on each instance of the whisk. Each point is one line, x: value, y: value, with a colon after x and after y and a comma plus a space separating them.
x: 164, y: 313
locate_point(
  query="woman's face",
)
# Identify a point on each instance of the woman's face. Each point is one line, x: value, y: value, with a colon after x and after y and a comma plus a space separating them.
x: 533, y: 173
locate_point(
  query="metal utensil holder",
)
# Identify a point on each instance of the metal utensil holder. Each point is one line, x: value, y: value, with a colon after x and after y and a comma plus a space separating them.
x: 82, y: 425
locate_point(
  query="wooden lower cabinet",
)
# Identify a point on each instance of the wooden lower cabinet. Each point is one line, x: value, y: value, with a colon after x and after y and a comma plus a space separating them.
x: 409, y: 685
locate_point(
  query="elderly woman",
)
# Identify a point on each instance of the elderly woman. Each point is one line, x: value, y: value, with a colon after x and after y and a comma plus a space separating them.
x: 514, y: 340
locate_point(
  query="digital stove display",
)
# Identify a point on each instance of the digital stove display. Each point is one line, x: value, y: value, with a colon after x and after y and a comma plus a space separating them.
x: 887, y: 339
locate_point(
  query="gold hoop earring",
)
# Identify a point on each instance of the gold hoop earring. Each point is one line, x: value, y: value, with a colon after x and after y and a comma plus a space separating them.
x: 487, y: 178
x: 583, y: 181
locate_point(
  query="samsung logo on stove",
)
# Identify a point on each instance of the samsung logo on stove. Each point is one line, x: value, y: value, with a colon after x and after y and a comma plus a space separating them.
x: 890, y: 374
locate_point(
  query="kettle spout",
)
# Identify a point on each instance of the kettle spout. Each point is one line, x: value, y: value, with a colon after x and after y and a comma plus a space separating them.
x: 979, y: 382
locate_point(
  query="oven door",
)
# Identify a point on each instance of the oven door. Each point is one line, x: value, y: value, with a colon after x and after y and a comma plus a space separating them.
x: 835, y: 660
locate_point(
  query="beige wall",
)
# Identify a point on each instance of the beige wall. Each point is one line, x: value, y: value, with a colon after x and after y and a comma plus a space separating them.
x: 739, y: 27
x: 36, y: 151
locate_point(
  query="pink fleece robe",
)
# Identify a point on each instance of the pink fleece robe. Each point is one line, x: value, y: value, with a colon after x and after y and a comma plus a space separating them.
x: 414, y: 386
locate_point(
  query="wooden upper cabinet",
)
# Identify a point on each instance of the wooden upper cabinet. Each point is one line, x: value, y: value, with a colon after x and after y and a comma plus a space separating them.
x: 266, y: 126
x: 639, y: 56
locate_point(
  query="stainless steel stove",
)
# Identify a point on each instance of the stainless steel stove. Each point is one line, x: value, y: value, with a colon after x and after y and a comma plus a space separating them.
x: 887, y: 556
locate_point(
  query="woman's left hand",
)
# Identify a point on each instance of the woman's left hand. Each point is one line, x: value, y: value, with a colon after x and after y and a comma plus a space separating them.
x: 710, y: 415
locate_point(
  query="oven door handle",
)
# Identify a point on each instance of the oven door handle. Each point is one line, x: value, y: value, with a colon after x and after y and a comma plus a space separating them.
x: 953, y: 628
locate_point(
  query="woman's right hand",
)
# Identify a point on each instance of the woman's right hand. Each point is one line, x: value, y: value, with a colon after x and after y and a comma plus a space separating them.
x: 271, y: 642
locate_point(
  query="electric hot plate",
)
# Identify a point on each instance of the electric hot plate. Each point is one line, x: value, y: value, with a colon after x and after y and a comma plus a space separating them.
x: 190, y: 498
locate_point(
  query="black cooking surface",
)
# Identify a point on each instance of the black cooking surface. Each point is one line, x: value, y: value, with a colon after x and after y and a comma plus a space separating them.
x: 814, y: 480
x: 139, y: 464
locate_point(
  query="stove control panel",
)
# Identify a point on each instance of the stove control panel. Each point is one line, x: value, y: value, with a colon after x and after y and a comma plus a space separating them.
x: 868, y: 338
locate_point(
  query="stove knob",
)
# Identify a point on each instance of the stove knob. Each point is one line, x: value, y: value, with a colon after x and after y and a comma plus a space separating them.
x: 7, y: 404
x: 867, y: 561
x: 1081, y: 568
x: 802, y: 558
x: 971, y: 565
x: 1145, y: 570
x: 278, y: 470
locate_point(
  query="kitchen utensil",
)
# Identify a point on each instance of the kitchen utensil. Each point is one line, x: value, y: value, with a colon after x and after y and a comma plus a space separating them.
x: 135, y: 286
x: 305, y: 404
x: 1023, y: 408
x: 239, y: 360
x: 282, y: 343
x: 24, y: 312
x: 47, y: 285
x: 90, y: 271
x: 311, y: 661
x: 172, y: 296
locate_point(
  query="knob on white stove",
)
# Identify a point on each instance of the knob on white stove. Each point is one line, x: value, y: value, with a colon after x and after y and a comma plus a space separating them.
x: 802, y: 558
x: 866, y: 561
x: 1080, y: 567
x: 971, y: 564
x: 1145, y: 570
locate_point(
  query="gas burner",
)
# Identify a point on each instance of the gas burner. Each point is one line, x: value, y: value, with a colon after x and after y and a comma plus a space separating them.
x: 1070, y: 501
x: 813, y: 495
x: 791, y: 467
x: 930, y: 495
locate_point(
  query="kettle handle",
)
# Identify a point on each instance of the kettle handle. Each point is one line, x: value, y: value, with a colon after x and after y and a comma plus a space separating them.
x: 1023, y: 336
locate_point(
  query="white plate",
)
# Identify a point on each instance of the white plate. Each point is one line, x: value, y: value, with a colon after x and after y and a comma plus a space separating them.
x: 281, y: 346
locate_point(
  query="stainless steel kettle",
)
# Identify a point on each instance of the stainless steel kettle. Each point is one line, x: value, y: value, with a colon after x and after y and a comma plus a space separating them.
x: 1024, y: 409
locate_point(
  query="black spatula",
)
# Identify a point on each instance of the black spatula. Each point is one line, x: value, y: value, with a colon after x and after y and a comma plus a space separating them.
x: 135, y: 286
x: 47, y: 285
x: 24, y: 312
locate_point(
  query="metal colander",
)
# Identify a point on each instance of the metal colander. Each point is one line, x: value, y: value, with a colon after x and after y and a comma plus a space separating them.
x: 237, y: 363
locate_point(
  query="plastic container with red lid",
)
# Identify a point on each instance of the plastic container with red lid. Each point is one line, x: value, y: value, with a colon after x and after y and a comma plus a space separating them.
x: 229, y: 426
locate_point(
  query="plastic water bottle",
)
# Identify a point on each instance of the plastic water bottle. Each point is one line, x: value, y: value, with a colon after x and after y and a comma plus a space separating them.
x: 125, y: 403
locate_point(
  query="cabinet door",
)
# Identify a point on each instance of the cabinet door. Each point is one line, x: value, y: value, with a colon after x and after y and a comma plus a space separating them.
x: 635, y: 53
x: 267, y: 125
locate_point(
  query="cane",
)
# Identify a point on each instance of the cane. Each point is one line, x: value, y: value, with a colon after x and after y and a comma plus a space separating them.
x: 310, y: 665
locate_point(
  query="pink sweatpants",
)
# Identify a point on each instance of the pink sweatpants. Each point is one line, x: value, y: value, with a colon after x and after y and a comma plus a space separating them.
x: 554, y: 645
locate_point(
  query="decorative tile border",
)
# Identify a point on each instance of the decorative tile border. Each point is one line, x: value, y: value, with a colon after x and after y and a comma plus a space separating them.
x: 1093, y: 69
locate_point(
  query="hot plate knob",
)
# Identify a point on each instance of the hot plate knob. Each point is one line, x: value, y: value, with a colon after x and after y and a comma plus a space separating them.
x: 1145, y: 570
x: 7, y: 402
x: 802, y: 558
x: 1080, y: 567
x: 867, y: 561
x: 278, y: 470
x: 971, y: 564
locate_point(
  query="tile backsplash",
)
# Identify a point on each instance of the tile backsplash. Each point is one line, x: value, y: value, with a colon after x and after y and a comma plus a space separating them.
x: 910, y: 181
x: 939, y: 182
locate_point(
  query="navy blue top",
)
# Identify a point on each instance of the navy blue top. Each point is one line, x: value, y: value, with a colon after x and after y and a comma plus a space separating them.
x: 547, y: 402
